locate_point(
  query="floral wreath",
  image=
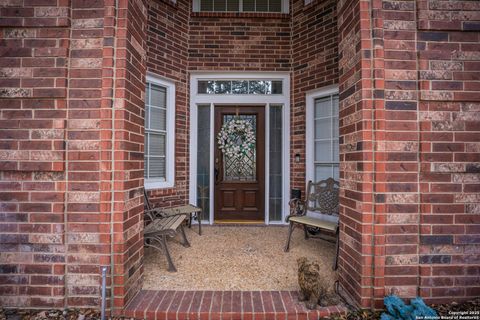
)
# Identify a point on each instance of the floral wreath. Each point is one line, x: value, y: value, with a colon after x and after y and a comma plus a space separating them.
x: 235, y: 137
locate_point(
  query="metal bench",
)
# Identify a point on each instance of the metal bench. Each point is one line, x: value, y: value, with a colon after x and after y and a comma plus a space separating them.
x: 321, y: 198
x: 189, y: 210
x: 158, y: 227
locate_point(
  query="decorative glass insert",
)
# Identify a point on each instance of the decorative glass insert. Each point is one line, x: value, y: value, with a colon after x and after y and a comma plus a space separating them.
x: 240, y: 86
x: 275, y: 168
x: 326, y: 138
x: 241, y: 166
x: 239, y: 6
x: 203, y: 160
x: 155, y: 132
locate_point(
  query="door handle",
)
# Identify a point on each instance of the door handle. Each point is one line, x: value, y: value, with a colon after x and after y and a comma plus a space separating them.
x: 217, y: 172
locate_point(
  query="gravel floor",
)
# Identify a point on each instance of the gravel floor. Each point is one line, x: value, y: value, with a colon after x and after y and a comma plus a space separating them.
x: 236, y: 258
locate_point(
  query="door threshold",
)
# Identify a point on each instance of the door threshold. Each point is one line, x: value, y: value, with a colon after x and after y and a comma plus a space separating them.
x: 262, y: 222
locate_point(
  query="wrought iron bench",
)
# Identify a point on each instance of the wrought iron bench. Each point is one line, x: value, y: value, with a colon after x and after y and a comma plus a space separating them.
x: 161, y: 223
x: 188, y: 210
x: 321, y: 198
x: 158, y: 227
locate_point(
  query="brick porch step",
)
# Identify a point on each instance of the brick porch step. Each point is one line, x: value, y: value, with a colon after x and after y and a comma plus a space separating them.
x: 216, y: 305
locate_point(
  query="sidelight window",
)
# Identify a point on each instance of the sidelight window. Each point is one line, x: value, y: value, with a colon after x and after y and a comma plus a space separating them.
x: 275, y: 173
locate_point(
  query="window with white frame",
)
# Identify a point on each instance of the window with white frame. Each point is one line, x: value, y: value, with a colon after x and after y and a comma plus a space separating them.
x: 241, y: 5
x: 159, y: 133
x: 240, y: 86
x: 326, y: 158
x: 322, y: 149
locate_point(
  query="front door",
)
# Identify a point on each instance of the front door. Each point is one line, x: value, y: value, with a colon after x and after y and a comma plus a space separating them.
x: 239, y: 177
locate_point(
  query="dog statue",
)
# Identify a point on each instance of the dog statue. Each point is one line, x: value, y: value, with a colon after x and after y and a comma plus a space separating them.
x: 313, y: 287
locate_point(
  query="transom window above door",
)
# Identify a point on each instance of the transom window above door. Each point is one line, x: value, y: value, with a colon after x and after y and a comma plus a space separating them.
x: 241, y: 5
x: 240, y: 86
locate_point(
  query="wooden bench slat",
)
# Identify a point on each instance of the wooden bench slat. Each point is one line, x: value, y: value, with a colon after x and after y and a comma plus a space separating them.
x: 168, y: 223
x: 176, y: 222
x: 187, y: 209
x: 315, y: 222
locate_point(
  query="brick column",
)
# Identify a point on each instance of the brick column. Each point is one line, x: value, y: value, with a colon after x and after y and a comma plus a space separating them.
x: 356, y: 264
x: 129, y: 58
x: 397, y: 167
x: 33, y: 110
x: 409, y: 149
x: 87, y: 218
x: 448, y: 44
x: 72, y: 77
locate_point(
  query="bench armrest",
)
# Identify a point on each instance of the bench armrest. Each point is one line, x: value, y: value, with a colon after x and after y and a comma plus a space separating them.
x: 297, y: 208
x: 153, y: 214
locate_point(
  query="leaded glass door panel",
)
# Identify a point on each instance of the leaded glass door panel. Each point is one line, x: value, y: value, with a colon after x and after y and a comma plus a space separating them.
x: 239, y: 175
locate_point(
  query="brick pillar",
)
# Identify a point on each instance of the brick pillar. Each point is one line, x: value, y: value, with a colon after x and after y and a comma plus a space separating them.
x: 87, y: 217
x: 397, y: 161
x: 356, y: 265
x: 128, y: 137
x: 409, y: 149
x: 33, y: 109
x: 72, y: 77
x: 448, y: 48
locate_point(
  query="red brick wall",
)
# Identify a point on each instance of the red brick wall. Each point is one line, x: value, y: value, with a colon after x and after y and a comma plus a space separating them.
x: 229, y: 42
x: 33, y: 109
x: 177, y: 38
x: 241, y: 42
x: 59, y: 62
x: 314, y: 65
x: 448, y: 50
x: 71, y: 100
x: 417, y: 71
x: 356, y: 154
x: 87, y: 228
x: 397, y: 141
x: 128, y: 105
x: 167, y: 45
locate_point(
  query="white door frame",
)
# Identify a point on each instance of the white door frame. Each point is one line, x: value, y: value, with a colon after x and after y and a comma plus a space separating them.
x: 212, y: 100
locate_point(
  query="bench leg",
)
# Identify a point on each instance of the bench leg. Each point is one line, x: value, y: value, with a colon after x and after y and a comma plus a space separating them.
x: 305, y: 231
x: 199, y: 218
x: 171, y: 266
x: 184, y: 236
x: 337, y: 249
x: 190, y: 220
x: 290, y: 230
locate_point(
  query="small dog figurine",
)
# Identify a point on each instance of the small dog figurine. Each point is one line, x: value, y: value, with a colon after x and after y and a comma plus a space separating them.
x: 312, y: 286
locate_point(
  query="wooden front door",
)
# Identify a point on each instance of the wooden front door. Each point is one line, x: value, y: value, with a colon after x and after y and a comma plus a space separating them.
x: 240, y: 179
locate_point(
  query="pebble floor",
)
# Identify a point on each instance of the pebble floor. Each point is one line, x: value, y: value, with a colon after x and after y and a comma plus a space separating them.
x: 236, y: 258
